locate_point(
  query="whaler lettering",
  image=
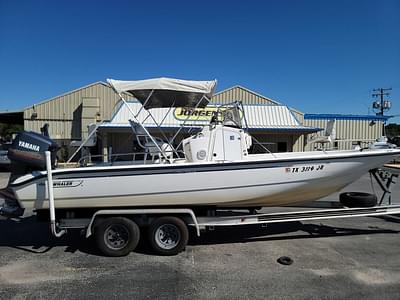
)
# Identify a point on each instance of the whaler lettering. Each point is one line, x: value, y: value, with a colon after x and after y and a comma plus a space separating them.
x: 29, y: 146
x: 62, y: 183
x: 67, y: 183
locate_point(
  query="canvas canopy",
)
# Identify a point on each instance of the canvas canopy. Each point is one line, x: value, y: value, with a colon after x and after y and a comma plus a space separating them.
x: 167, y: 92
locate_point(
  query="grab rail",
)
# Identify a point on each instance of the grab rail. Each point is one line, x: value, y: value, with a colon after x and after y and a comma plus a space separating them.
x: 85, y: 160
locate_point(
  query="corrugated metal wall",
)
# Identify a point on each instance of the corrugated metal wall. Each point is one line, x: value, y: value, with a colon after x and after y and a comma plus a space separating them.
x: 351, y: 130
x: 64, y: 113
x: 238, y: 93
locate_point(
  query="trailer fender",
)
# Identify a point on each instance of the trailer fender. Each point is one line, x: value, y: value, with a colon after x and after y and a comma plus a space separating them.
x: 135, y: 212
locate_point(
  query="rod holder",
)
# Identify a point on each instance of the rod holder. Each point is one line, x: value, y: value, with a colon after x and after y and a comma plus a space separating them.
x: 50, y: 190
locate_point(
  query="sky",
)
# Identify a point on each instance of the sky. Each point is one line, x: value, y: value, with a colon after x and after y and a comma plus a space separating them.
x: 314, y: 56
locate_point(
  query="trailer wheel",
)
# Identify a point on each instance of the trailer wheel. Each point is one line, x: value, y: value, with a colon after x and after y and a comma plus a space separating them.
x: 168, y: 235
x: 357, y: 199
x: 117, y: 236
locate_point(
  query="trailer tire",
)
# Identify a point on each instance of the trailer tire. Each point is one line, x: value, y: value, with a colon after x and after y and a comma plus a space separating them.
x: 357, y: 199
x: 116, y: 236
x: 168, y: 235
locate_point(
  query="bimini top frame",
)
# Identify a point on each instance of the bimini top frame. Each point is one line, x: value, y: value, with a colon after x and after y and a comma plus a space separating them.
x: 161, y: 93
x: 167, y: 92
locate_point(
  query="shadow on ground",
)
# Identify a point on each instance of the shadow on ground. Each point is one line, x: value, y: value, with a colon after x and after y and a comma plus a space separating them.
x: 391, y: 218
x: 282, y: 231
x: 31, y: 236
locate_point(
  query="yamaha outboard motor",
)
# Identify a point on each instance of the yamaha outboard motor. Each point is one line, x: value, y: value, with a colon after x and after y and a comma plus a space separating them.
x: 28, y: 151
x: 27, y: 154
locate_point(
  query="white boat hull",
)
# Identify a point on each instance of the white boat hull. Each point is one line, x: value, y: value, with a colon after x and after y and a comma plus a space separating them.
x: 271, y: 180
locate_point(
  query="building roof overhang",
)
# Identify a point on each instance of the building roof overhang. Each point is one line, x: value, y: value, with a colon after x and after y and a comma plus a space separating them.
x: 260, y: 118
x: 12, y: 117
x: 346, y: 117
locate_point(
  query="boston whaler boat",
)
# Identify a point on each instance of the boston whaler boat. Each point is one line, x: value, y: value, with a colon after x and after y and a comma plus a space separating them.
x: 215, y: 169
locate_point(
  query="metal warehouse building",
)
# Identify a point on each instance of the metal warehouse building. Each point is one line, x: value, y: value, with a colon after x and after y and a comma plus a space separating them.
x: 69, y: 115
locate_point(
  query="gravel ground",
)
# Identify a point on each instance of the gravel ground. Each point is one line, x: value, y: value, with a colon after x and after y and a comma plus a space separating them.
x: 345, y: 259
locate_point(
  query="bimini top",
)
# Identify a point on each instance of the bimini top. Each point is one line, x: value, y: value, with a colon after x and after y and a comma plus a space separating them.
x: 167, y: 92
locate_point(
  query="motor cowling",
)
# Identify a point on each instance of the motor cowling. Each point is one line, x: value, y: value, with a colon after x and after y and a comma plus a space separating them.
x: 27, y: 154
x: 28, y: 149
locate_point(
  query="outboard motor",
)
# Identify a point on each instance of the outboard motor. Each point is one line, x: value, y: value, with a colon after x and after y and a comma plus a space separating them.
x: 27, y: 154
x: 28, y: 150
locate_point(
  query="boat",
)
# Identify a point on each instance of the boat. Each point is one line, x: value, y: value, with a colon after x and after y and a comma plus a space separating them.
x: 211, y: 168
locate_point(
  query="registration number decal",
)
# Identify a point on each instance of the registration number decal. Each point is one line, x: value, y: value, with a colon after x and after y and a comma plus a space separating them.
x: 303, y: 169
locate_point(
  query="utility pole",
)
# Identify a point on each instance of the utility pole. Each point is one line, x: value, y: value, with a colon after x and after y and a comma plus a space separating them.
x: 381, y: 105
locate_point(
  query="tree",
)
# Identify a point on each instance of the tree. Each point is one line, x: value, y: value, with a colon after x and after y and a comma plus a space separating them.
x: 392, y: 130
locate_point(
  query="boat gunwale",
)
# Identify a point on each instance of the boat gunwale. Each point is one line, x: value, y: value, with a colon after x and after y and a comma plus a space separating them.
x: 200, y: 167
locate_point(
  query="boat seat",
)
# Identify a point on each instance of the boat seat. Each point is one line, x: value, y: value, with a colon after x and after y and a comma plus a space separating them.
x: 329, y: 135
x: 150, y: 148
